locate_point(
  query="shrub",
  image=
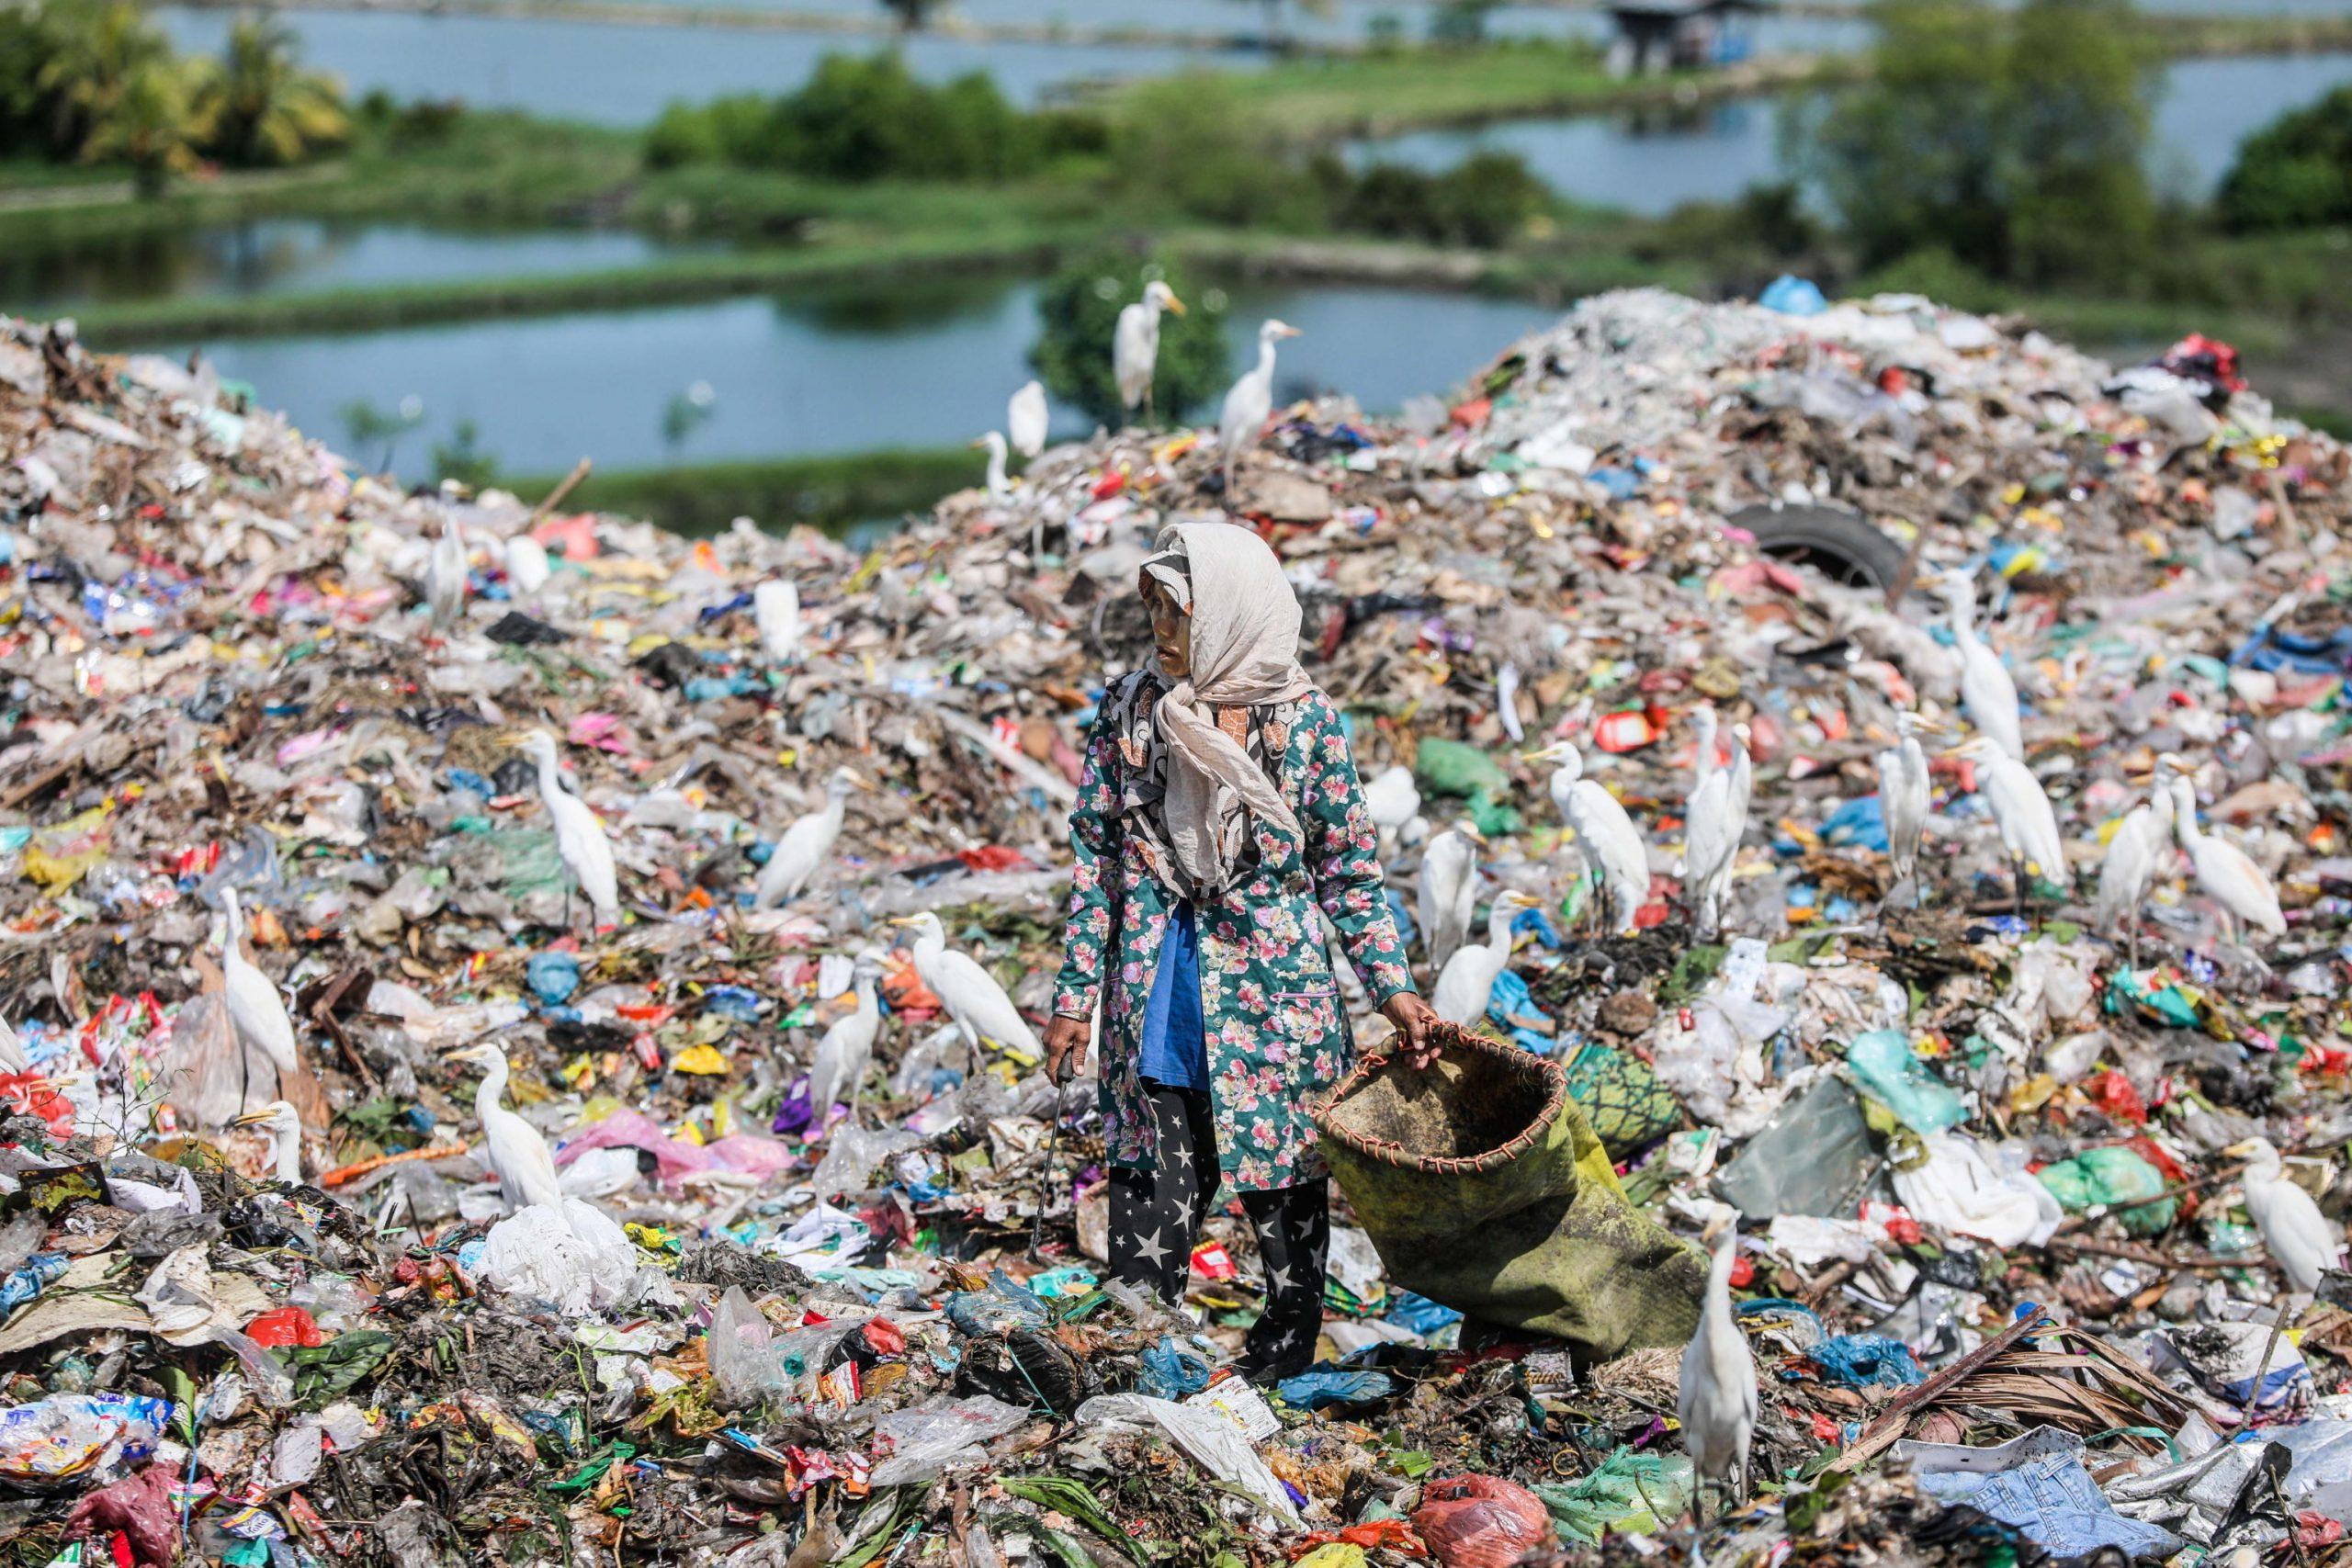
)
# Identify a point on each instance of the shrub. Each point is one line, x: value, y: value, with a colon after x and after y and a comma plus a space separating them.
x: 2295, y: 173
x: 1079, y: 311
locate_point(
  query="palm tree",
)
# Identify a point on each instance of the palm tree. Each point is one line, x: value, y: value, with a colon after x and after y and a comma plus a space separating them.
x: 259, y: 106
x: 97, y: 50
x: 147, y: 125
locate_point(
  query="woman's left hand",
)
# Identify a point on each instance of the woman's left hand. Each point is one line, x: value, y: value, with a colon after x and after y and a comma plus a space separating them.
x: 1414, y: 1019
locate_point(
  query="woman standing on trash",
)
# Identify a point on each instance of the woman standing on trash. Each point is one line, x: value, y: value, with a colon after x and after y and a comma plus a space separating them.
x: 1218, y: 809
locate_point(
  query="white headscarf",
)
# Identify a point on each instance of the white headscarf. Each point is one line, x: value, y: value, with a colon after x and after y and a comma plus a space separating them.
x: 1245, y: 651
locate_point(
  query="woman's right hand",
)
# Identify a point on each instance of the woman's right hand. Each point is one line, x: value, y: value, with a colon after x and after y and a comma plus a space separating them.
x: 1065, y: 1045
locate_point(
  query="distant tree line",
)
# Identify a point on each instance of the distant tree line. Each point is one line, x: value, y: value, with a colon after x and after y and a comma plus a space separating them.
x: 93, y: 81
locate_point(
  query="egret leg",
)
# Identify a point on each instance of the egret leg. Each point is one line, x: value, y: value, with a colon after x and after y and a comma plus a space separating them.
x: 2132, y: 941
x: 2016, y: 883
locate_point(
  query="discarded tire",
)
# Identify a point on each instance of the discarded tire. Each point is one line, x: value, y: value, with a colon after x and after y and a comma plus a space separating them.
x: 1842, y: 545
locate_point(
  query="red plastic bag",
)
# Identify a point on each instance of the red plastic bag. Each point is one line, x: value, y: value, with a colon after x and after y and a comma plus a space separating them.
x: 1480, y: 1521
x: 135, y: 1515
x: 286, y: 1326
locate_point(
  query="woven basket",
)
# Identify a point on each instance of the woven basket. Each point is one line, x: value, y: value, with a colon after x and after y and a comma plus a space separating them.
x: 1484, y: 1187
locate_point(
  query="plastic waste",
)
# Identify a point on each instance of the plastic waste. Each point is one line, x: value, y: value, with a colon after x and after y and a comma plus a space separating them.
x: 921, y: 1443
x: 1630, y: 1492
x: 1480, y: 1521
x: 2110, y: 1176
x: 1882, y: 1062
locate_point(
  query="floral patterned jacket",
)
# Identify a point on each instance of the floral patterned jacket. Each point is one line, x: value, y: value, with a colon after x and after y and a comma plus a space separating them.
x: 1276, y: 1033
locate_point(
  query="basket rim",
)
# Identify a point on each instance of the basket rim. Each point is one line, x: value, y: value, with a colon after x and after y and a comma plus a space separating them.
x: 1452, y: 1037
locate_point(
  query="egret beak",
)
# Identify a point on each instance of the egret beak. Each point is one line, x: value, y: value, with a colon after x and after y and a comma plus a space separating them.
x: 1470, y: 832
x: 1175, y: 304
x: 1288, y: 332
x: 902, y: 920
x: 976, y: 444
x: 2240, y: 1151
x: 861, y: 782
x: 253, y: 1119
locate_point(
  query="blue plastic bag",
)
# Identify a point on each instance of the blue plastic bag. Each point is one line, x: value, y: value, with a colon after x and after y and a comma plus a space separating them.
x: 1792, y: 296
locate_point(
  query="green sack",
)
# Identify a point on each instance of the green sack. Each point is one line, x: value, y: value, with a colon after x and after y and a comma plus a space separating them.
x: 1629, y: 1494
x: 1621, y: 1096
x: 2109, y: 1175
x: 1485, y: 1189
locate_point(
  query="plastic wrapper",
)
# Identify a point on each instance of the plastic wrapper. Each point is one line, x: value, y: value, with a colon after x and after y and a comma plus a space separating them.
x: 573, y: 1255
x: 920, y: 1443
x: 60, y: 1440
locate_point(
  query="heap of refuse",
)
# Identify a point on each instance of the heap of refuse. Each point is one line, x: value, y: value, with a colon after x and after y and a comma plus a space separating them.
x: 2003, y: 1263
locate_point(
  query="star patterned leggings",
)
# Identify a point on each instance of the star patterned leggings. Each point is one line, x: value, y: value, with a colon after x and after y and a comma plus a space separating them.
x: 1156, y: 1217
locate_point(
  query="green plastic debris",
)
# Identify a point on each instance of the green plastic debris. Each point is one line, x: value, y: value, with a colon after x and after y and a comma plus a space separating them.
x: 2170, y: 1004
x: 1890, y: 1071
x: 2109, y: 1176
x: 1452, y: 767
x: 592, y: 1472
x: 1630, y: 1493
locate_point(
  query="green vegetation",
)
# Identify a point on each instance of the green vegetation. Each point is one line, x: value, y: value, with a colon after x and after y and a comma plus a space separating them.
x: 2009, y: 139
x: 2295, y: 173
x: 92, y: 80
x: 1080, y: 311
x: 831, y: 493
x: 858, y: 121
x: 1486, y: 201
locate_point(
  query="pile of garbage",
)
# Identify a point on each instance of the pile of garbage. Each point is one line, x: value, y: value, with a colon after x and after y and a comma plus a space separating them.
x: 288, y: 1286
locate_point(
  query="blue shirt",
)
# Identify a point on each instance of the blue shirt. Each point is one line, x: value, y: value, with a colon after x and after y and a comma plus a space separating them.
x: 1175, y: 1038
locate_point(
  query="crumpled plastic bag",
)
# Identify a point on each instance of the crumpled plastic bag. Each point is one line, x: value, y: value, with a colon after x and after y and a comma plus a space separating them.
x: 573, y: 1255
x: 1630, y: 1492
x: 1214, y: 1442
x: 139, y: 1506
x: 923, y: 1442
x: 2111, y: 1174
x: 1957, y: 1189
x: 1480, y: 1521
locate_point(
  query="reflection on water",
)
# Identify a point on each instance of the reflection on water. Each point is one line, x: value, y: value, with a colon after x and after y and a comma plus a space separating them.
x: 1650, y: 164
x: 807, y: 376
x: 290, y: 255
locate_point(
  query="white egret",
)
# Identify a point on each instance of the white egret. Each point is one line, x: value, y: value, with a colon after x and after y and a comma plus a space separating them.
x: 804, y: 846
x: 1392, y: 799
x: 847, y: 1049
x: 1449, y: 891
x: 511, y: 1146
x: 775, y: 611
x: 999, y: 485
x: 1717, y: 1400
x: 444, y: 574
x: 527, y: 566
x: 1134, y: 345
x: 1027, y: 418
x: 564, y: 1250
x: 1469, y: 976
x: 255, y: 1008
x: 1987, y: 695
x: 978, y: 1005
x: 2296, y: 1234
x: 1903, y: 799
x: 1251, y: 399
x: 2134, y: 854
x: 1612, y: 846
x: 579, y: 835
x: 284, y: 1124
x: 1711, y: 827
x: 2226, y: 871
x: 2021, y: 810
x: 12, y: 1051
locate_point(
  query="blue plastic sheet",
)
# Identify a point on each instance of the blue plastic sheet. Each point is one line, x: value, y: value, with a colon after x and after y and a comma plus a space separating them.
x: 1860, y: 823
x: 1418, y: 1314
x: 553, y: 976
x: 1794, y: 296
x: 1863, y: 1360
x: 1321, y: 1388
x: 1171, y: 1370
